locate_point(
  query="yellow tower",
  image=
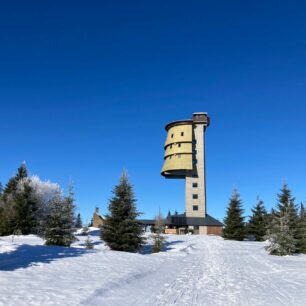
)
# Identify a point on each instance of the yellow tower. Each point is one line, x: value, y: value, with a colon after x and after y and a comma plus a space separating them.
x: 185, y: 158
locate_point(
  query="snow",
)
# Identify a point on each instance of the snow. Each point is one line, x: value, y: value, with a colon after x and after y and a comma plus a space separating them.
x: 193, y: 270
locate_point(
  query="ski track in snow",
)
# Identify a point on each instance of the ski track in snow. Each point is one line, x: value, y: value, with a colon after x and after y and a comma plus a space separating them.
x: 195, y: 270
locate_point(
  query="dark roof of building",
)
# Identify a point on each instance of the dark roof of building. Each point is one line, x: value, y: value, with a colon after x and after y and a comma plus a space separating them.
x: 182, y: 220
x: 146, y: 222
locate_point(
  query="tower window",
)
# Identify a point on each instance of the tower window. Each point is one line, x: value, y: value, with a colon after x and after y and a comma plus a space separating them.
x: 195, y: 207
x: 179, y: 145
x: 172, y: 135
x: 194, y: 196
x: 195, y: 185
x: 179, y: 155
x: 170, y: 146
x: 182, y: 133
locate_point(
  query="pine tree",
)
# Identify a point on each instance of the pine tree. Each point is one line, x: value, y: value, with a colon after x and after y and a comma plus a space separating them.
x: 283, y: 227
x: 12, y: 184
x: 158, y: 239
x: 301, y: 233
x: 78, y: 222
x: 281, y: 240
x: 257, y: 223
x: 286, y: 205
x: 234, y: 228
x: 121, y: 231
x: 88, y: 243
x: 26, y: 207
x: 60, y: 224
x: 69, y: 216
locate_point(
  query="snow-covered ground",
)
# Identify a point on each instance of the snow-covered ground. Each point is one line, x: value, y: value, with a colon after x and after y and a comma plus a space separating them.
x: 194, y: 270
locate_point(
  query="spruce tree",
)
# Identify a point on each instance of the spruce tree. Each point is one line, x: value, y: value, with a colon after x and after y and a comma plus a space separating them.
x: 69, y: 216
x: 158, y: 238
x: 283, y: 228
x: 281, y: 240
x: 257, y: 223
x: 121, y: 231
x: 301, y: 233
x: 286, y: 205
x: 26, y: 206
x: 12, y: 184
x: 234, y: 228
x: 89, y: 243
x: 60, y: 223
x: 78, y: 222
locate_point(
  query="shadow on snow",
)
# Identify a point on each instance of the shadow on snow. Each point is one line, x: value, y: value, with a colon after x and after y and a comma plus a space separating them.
x: 31, y: 255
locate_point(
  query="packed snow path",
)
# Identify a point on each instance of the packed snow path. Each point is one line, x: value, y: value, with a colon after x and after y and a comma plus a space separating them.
x: 194, y: 270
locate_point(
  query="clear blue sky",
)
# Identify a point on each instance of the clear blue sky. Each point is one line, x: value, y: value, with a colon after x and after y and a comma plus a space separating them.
x: 86, y: 88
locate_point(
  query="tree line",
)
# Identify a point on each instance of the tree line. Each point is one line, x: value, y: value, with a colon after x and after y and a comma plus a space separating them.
x: 31, y: 206
x: 284, y: 226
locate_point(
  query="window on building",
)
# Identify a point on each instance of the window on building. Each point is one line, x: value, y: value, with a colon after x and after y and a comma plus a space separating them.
x: 179, y: 155
x: 170, y: 146
x: 195, y: 185
x: 172, y: 135
x: 179, y: 145
x: 182, y: 133
x: 195, y: 207
x: 194, y: 196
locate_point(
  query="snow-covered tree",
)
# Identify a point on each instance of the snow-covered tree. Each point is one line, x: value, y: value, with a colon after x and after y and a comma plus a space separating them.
x: 60, y: 224
x: 281, y: 240
x: 301, y: 232
x: 234, y: 228
x: 121, y: 231
x: 12, y: 184
x: 257, y: 225
x: 158, y: 238
x: 286, y: 205
x: 43, y: 192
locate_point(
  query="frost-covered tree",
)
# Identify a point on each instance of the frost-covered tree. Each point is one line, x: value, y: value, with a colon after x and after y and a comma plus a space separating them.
x: 12, y: 184
x: 78, y: 222
x: 281, y: 240
x: 257, y: 225
x: 43, y: 192
x: 60, y: 224
x: 158, y: 238
x: 283, y: 227
x: 286, y: 205
x: 234, y: 228
x: 69, y: 215
x: 121, y: 231
x: 301, y: 232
